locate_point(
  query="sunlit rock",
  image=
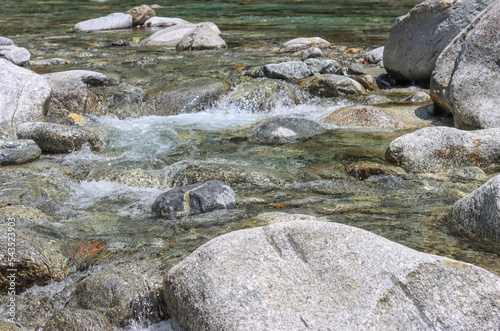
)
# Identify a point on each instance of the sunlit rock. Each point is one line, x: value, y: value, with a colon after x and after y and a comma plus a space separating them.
x: 164, y: 22
x: 141, y: 14
x: 301, y: 43
x: 17, y: 55
x: 284, y: 130
x: 330, y: 85
x: 18, y: 152
x: 201, y: 37
x: 111, y: 22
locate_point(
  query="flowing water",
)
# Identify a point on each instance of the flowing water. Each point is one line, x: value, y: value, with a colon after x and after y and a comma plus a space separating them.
x: 107, y: 195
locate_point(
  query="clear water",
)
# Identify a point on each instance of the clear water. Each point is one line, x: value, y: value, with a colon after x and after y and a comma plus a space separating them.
x: 108, y: 195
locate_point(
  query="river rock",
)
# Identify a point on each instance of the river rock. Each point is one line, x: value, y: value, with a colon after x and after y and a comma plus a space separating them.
x: 330, y: 85
x: 479, y: 213
x: 294, y: 70
x: 417, y: 97
x: 467, y: 74
x: 17, y: 55
x: 325, y: 276
x: 375, y: 56
x: 77, y: 319
x: 4, y: 41
x: 435, y: 149
x: 24, y: 95
x: 365, y: 169
x: 201, y: 37
x: 111, y: 22
x: 18, y: 152
x: 284, y: 130
x: 365, y: 116
x: 418, y: 38
x: 368, y: 81
x: 194, y: 199
x: 301, y: 43
x: 171, y: 36
x: 164, y: 22
x: 263, y: 95
x: 58, y: 138
x: 312, y: 52
x: 140, y: 14
x: 185, y: 97
x: 38, y: 258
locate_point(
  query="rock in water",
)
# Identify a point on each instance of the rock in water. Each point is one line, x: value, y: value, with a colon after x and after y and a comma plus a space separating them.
x: 58, y: 138
x: 330, y: 85
x: 479, y: 213
x: 17, y: 55
x: 301, y: 43
x: 201, y: 37
x: 194, y: 199
x: 284, y: 130
x: 326, y: 276
x: 6, y: 42
x: 77, y: 319
x: 417, y: 39
x: 18, y: 152
x: 171, y: 36
x: 110, y: 22
x: 141, y: 14
x: 24, y: 94
x: 164, y: 21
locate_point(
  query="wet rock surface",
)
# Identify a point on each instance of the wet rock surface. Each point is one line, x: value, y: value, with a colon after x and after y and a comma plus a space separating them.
x: 18, y: 152
x: 329, y: 85
x: 72, y: 319
x: 284, y: 130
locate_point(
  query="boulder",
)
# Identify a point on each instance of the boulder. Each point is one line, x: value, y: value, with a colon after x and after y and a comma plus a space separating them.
x: 301, y: 43
x: 6, y: 42
x: 284, y: 130
x: 375, y: 56
x: 479, y: 213
x: 365, y: 116
x: 312, y: 52
x: 171, y: 36
x: 194, y: 199
x: 294, y: 70
x: 201, y: 37
x: 111, y: 22
x: 435, y: 149
x: 24, y: 95
x: 77, y: 319
x: 187, y: 96
x: 18, y: 152
x: 325, y: 276
x: 17, y: 55
x: 368, y: 81
x: 330, y: 85
x: 140, y: 14
x: 164, y: 22
x: 418, y: 38
x: 58, y: 138
x: 263, y: 95
x: 467, y: 74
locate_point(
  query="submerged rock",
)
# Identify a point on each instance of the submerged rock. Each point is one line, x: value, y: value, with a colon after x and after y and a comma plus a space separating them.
x: 437, y: 148
x: 201, y: 37
x: 111, y: 22
x: 185, y: 97
x: 301, y: 43
x: 77, y: 319
x: 140, y: 14
x: 467, y: 75
x: 164, y: 22
x: 284, y: 130
x: 17, y: 55
x: 479, y: 213
x: 24, y: 94
x: 18, y: 152
x: 194, y: 199
x: 322, y: 276
x: 329, y: 85
x: 58, y: 138
x: 418, y: 38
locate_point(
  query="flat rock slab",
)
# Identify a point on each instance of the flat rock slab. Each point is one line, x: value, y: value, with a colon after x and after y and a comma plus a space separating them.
x: 18, y: 152
x: 326, y: 276
x: 164, y: 22
x: 301, y: 43
x: 111, y: 22
x: 437, y: 149
x: 479, y: 213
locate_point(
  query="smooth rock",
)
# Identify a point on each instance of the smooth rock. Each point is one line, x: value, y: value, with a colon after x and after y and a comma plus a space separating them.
x: 365, y: 116
x: 201, y: 37
x: 325, y: 276
x: 418, y: 38
x: 77, y: 319
x: 294, y: 70
x: 58, y: 138
x: 437, y: 149
x: 284, y: 130
x: 18, y: 152
x: 375, y: 56
x: 368, y: 81
x: 17, y: 55
x: 330, y: 85
x: 467, y: 74
x: 194, y: 199
x: 170, y: 37
x: 164, y: 22
x: 111, y: 22
x: 323, y: 66
x: 24, y: 95
x: 301, y: 43
x: 185, y: 97
x: 140, y: 14
x: 479, y: 212
x: 312, y: 52
x: 4, y: 41
x: 417, y: 97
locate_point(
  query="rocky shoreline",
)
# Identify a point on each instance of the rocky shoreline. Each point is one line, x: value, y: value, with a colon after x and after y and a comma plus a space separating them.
x: 217, y: 262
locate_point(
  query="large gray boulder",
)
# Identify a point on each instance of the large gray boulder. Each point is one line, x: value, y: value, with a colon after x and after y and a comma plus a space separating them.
x: 58, y: 138
x: 171, y: 36
x: 110, y: 22
x: 194, y: 199
x: 467, y: 75
x: 479, y: 212
x: 418, y: 38
x: 436, y: 149
x: 24, y: 95
x: 331, y: 85
x: 17, y: 55
x: 18, y: 152
x: 201, y: 37
x: 326, y: 276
